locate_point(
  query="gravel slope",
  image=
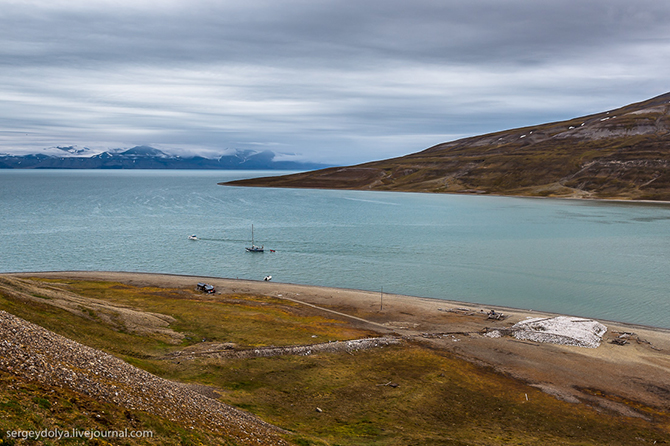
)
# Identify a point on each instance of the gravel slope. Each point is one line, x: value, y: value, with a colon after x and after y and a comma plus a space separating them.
x: 32, y: 352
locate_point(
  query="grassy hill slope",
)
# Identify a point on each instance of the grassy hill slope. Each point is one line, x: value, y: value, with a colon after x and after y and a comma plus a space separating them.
x: 618, y: 154
x: 340, y: 398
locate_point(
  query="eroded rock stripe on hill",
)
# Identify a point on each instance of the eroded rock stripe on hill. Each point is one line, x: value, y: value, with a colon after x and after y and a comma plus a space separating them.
x: 224, y: 351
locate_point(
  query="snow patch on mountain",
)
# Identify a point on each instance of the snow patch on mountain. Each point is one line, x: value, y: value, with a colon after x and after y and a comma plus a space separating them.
x: 69, y: 151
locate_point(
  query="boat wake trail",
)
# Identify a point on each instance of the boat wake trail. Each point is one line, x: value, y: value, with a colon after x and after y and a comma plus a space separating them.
x: 220, y: 240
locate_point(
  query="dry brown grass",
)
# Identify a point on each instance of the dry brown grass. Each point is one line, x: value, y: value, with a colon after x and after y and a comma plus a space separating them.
x: 563, y: 159
x: 439, y: 399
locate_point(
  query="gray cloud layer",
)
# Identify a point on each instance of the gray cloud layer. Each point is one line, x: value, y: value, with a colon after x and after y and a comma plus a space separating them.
x: 334, y: 81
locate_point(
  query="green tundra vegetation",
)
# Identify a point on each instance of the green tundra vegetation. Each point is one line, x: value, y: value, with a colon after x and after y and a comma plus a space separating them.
x: 340, y: 398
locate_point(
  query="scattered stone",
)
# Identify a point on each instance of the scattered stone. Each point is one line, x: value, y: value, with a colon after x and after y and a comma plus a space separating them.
x: 37, y: 354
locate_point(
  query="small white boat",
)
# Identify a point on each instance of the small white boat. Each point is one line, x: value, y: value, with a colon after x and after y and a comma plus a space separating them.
x: 192, y: 237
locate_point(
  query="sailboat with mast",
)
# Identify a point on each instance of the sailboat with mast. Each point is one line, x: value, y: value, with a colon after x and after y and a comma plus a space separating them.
x: 253, y: 247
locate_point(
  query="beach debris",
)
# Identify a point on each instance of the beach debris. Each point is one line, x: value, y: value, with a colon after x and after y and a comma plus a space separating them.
x: 464, y: 311
x: 495, y: 315
x: 624, y: 338
x: 561, y: 330
x: 319, y: 410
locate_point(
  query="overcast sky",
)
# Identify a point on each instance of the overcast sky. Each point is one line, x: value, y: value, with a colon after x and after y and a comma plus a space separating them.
x: 332, y: 81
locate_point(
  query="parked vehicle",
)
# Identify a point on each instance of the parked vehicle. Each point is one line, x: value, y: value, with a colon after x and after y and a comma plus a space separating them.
x: 205, y: 288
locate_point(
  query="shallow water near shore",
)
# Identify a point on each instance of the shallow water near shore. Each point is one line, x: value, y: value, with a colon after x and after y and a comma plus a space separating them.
x: 596, y: 259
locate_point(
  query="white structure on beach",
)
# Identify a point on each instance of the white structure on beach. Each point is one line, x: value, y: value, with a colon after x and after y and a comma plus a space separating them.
x: 561, y: 330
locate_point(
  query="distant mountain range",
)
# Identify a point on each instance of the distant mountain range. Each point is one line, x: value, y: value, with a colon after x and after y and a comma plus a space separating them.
x: 145, y: 157
x: 618, y: 154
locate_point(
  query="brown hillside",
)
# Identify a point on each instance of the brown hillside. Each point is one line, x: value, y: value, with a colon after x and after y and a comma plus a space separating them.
x: 619, y: 154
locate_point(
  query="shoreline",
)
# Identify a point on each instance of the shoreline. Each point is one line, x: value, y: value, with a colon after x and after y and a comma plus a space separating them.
x: 471, y: 194
x: 124, y: 275
x: 464, y: 194
x: 611, y: 377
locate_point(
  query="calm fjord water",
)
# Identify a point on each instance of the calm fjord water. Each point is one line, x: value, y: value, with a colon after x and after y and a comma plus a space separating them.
x: 602, y: 260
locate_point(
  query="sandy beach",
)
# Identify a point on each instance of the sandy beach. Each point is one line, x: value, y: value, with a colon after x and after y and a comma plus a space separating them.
x: 612, y: 377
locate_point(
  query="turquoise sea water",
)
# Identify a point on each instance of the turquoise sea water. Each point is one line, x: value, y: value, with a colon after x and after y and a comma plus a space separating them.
x: 595, y: 259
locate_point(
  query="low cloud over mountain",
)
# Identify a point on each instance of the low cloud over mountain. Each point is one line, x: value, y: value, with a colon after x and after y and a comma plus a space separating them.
x: 145, y: 157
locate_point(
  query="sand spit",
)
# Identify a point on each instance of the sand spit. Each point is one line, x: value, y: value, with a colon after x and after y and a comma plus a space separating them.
x: 37, y: 354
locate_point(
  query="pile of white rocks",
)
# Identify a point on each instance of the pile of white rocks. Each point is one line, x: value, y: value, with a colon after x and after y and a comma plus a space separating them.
x: 562, y: 330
